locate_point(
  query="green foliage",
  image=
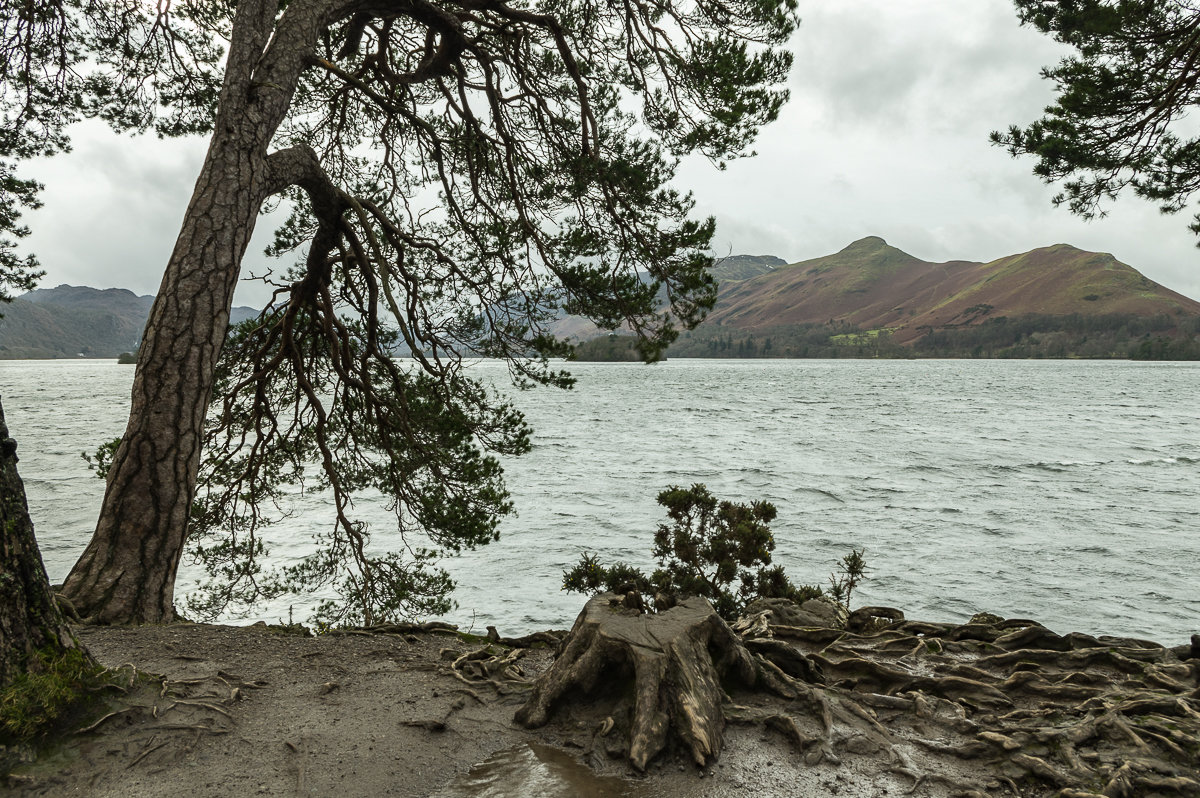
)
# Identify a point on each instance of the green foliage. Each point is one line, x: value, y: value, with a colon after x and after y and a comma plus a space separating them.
x: 18, y: 273
x: 101, y: 461
x: 47, y: 695
x: 1123, y: 97
x: 456, y: 181
x: 1162, y: 347
x: 718, y: 550
x: 852, y: 569
x: 610, y: 348
x: 360, y: 423
x: 133, y: 65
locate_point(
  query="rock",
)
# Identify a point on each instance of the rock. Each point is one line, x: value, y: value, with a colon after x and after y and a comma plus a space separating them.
x: 814, y: 613
x: 866, y: 620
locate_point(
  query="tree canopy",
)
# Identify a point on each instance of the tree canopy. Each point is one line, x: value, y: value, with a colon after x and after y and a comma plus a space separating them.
x: 1119, y: 118
x: 459, y: 173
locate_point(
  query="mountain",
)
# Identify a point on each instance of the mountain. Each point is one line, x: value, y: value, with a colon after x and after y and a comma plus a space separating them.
x: 871, y: 285
x: 873, y: 300
x: 726, y: 271
x: 736, y: 268
x: 76, y: 321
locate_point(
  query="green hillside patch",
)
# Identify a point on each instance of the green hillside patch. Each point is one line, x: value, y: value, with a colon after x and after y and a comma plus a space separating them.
x: 859, y: 337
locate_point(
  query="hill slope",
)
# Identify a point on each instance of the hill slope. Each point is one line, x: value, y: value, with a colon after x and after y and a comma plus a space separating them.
x: 76, y: 321
x: 726, y: 271
x: 871, y: 285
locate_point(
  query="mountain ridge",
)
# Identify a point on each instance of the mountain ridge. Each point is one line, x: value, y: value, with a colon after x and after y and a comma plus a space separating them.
x: 868, y: 288
x: 70, y: 321
x: 872, y: 285
x: 871, y: 299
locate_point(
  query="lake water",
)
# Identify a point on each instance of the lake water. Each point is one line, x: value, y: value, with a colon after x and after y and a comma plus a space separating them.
x: 1066, y: 491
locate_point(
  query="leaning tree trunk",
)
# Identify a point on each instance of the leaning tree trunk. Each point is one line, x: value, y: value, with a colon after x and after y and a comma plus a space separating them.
x: 127, y: 572
x: 30, y: 621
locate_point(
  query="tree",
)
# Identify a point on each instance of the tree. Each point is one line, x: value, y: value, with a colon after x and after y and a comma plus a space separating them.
x: 33, y: 633
x: 459, y: 173
x: 22, y: 135
x: 17, y: 272
x: 1119, y: 118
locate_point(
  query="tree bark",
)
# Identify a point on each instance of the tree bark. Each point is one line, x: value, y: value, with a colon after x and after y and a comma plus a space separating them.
x: 127, y: 572
x: 30, y: 621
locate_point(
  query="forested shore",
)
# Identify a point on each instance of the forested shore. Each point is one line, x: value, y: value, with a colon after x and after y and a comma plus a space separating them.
x: 1033, y: 336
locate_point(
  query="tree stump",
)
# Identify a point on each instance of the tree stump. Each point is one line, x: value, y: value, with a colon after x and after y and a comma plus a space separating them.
x: 677, y: 657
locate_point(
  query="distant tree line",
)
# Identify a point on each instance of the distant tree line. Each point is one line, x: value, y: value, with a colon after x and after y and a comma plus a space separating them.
x: 608, y: 348
x: 1042, y: 336
x: 1119, y: 336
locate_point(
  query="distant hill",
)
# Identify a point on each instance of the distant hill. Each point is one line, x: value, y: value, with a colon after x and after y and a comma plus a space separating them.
x: 736, y: 268
x: 77, y: 321
x: 726, y: 271
x: 874, y: 300
x: 872, y: 285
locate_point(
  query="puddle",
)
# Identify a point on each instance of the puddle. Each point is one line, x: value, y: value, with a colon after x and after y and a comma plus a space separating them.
x: 536, y: 771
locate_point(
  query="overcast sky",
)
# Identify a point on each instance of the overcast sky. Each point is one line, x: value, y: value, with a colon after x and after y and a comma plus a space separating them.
x: 886, y: 134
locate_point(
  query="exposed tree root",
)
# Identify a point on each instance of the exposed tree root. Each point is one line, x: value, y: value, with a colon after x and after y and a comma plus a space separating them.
x: 489, y: 666
x: 979, y: 706
x: 551, y: 639
x: 162, y: 708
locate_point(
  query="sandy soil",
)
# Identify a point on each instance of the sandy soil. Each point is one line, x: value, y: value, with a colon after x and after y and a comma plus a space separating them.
x: 340, y: 715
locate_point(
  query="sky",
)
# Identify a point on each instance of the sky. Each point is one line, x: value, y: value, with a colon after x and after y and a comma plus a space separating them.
x: 886, y: 134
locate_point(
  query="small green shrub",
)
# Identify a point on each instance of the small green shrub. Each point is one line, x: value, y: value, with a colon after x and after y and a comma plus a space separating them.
x: 853, y: 569
x: 718, y: 550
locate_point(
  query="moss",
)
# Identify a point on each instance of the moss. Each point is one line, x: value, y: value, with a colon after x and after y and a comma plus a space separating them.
x: 49, y: 697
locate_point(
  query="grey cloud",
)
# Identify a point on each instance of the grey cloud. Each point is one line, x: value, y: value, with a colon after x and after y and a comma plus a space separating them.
x: 113, y: 207
x: 886, y: 135
x: 927, y: 64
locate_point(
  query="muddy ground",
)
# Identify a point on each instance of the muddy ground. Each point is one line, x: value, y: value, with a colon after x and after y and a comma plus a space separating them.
x: 247, y: 711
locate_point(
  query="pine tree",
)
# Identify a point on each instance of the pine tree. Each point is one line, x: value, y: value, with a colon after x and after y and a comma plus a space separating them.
x: 1118, y: 120
x: 461, y: 172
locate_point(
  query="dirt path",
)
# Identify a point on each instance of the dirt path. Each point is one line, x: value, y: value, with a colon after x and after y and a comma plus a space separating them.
x: 342, y: 715
x: 905, y: 709
x: 370, y: 715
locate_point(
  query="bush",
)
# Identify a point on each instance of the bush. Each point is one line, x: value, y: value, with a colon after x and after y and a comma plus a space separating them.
x: 718, y: 550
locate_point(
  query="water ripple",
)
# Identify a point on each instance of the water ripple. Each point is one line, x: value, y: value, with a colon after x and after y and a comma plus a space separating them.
x: 1062, y: 491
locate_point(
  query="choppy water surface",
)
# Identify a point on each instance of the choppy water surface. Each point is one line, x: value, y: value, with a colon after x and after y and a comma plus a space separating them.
x: 1061, y: 490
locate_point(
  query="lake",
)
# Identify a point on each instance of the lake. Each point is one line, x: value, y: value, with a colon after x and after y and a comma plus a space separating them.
x: 1065, y: 491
